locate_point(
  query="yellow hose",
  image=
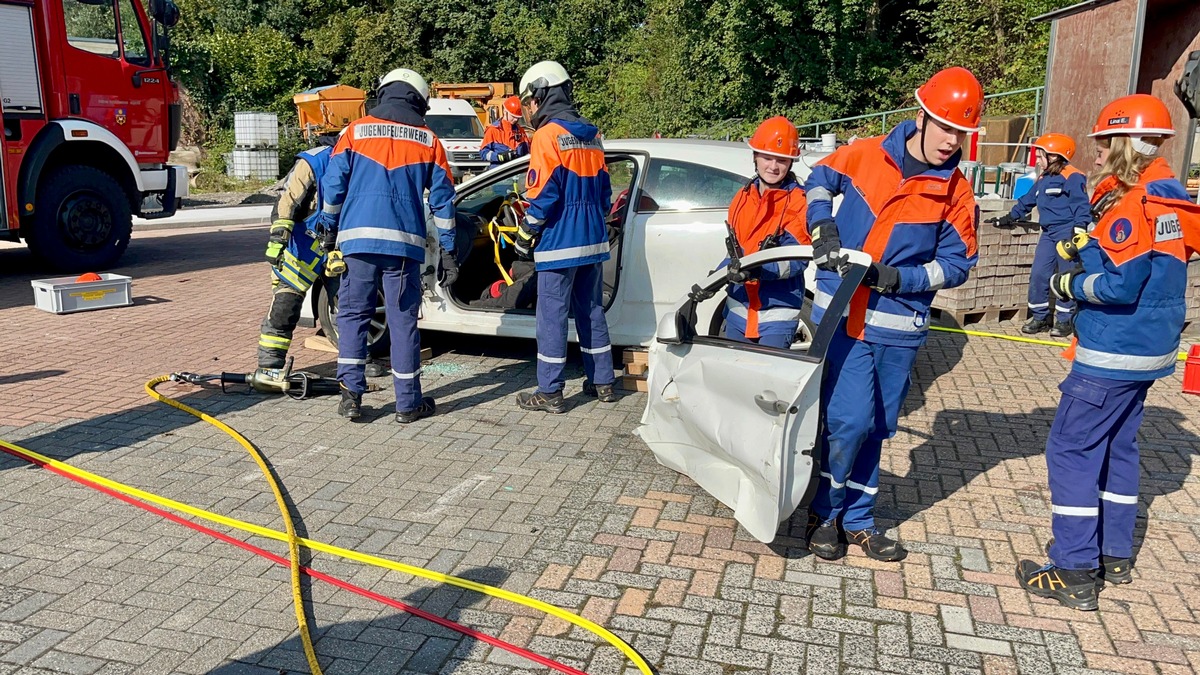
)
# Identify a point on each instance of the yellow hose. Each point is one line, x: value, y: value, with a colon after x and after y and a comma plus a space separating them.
x: 290, y: 537
x: 294, y: 542
x: 1017, y: 338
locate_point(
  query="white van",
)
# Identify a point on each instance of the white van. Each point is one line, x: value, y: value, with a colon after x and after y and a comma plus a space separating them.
x: 457, y: 125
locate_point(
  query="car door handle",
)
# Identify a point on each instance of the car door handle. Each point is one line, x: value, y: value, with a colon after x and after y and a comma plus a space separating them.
x: 774, y: 405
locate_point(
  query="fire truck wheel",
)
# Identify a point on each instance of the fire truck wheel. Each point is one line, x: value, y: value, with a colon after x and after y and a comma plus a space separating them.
x: 83, y: 220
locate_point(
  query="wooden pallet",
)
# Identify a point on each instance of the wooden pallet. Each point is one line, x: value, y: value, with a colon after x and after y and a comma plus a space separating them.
x: 959, y: 318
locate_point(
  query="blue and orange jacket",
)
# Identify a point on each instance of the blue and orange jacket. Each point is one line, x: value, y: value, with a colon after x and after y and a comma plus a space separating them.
x: 1132, y: 292
x: 503, y: 136
x: 923, y: 225
x: 375, y: 186
x: 1061, y: 201
x: 569, y: 194
x: 771, y: 303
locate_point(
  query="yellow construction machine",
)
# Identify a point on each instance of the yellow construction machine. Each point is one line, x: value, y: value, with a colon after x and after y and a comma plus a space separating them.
x: 486, y: 97
x: 329, y: 109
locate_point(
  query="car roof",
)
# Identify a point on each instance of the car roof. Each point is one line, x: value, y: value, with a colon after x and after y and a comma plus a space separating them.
x: 450, y: 106
x: 727, y: 155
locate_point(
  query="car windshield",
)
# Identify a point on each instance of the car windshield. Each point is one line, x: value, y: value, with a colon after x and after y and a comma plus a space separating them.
x: 449, y: 127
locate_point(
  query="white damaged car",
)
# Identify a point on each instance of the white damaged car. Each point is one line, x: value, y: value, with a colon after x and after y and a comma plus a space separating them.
x: 670, y: 199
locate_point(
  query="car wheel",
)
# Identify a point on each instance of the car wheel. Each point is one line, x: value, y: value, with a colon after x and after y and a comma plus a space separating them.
x: 378, y: 343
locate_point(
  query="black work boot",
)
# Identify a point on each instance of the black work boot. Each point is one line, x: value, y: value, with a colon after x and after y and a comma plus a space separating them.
x: 536, y: 400
x: 1062, y: 329
x: 1072, y: 588
x: 426, y: 409
x: 604, y: 392
x: 376, y: 369
x: 1035, y: 325
x: 824, y: 539
x: 1116, y: 570
x: 350, y: 406
x: 876, y: 545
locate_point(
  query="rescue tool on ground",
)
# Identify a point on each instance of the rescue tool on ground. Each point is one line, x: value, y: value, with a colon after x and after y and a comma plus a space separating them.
x: 298, y: 385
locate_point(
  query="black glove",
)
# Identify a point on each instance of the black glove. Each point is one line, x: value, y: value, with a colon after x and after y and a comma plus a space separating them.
x: 505, y: 156
x: 882, y: 278
x: 827, y: 245
x: 1060, y: 283
x: 524, y: 244
x: 739, y: 275
x: 447, y: 272
x: 1005, y: 220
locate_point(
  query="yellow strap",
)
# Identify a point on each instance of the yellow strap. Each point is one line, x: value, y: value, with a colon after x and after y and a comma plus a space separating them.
x: 1017, y: 338
x: 496, y: 232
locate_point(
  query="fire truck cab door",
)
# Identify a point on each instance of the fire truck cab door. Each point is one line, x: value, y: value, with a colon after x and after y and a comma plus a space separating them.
x: 111, y: 75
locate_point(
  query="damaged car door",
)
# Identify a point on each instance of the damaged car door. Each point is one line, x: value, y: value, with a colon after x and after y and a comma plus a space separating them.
x: 742, y: 420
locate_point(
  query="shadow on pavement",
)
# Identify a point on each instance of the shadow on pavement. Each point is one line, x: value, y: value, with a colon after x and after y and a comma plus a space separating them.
x: 967, y: 443
x: 31, y: 376
x: 160, y: 254
x: 938, y: 357
x: 393, y: 643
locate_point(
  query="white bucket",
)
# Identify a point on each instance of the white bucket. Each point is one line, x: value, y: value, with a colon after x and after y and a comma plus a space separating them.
x: 257, y: 164
x: 828, y: 142
x: 255, y: 130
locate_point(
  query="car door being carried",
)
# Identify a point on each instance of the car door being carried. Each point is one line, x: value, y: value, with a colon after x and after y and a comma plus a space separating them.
x: 742, y: 420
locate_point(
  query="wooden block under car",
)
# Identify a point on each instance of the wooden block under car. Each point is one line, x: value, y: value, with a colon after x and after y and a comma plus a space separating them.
x: 635, y: 383
x: 638, y: 369
x: 635, y: 356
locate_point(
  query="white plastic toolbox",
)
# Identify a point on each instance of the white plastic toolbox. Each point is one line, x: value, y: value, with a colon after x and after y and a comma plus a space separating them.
x: 63, y: 295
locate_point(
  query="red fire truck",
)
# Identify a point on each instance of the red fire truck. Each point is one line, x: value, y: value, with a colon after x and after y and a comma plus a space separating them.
x: 90, y: 114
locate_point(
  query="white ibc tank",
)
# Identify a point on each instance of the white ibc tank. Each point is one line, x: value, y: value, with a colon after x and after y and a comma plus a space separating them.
x: 255, y: 130
x: 256, y: 164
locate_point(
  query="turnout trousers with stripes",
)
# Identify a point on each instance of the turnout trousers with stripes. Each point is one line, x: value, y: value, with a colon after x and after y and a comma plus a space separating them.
x: 865, y: 385
x: 1046, y: 262
x: 1092, y: 458
x: 401, y: 279
x: 580, y: 290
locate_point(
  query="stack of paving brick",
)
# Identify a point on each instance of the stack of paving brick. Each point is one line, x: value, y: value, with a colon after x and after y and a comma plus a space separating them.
x: 998, y: 286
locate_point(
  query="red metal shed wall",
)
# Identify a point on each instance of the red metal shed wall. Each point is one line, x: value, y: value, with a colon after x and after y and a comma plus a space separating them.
x: 1092, y: 62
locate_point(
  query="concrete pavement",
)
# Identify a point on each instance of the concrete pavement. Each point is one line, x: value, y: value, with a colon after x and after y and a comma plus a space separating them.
x: 570, y: 509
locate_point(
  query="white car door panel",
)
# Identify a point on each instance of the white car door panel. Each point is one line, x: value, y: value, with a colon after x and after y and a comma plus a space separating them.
x: 741, y: 420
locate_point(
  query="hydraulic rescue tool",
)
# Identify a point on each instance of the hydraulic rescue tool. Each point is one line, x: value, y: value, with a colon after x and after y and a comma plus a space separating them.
x: 298, y: 385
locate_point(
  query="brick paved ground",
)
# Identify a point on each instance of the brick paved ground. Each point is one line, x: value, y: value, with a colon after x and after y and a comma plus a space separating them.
x: 570, y: 509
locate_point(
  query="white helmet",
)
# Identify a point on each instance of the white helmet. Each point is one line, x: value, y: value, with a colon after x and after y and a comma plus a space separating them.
x: 541, y: 75
x: 409, y: 76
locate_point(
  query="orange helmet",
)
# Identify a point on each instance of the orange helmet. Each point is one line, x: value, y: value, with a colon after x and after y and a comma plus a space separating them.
x: 88, y: 276
x: 777, y: 137
x: 1056, y: 144
x: 953, y: 96
x: 513, y: 105
x: 1136, y: 115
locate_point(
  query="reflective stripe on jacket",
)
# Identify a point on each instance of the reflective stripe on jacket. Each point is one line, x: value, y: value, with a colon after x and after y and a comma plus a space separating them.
x: 375, y: 187
x: 569, y: 195
x: 924, y: 226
